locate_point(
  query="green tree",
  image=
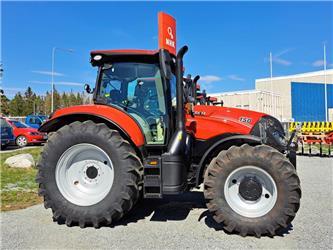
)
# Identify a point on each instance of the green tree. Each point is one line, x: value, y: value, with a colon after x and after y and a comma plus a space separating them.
x: 4, y: 104
x: 56, y: 99
x: 72, y: 99
x: 29, y: 98
x: 47, y: 103
x: 64, y: 100
x: 17, y: 105
x: 40, y: 104
x: 79, y: 99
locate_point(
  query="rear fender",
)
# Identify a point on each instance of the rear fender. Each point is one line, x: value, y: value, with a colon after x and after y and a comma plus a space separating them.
x: 223, y: 144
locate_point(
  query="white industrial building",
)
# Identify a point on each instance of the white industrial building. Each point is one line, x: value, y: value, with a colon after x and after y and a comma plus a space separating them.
x: 258, y: 100
x: 299, y: 97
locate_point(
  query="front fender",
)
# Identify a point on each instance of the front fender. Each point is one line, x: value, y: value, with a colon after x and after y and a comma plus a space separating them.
x: 223, y: 144
x: 111, y: 116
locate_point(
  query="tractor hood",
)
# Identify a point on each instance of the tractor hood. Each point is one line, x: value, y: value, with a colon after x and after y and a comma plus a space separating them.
x: 211, y: 121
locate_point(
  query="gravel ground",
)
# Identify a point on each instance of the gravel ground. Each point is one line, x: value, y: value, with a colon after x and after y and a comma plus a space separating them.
x: 181, y: 222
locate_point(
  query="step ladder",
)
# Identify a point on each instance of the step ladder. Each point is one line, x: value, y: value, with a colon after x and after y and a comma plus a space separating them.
x: 152, y: 177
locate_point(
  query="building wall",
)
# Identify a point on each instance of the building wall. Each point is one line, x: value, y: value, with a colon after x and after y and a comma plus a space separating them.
x: 330, y: 114
x: 282, y: 87
x: 308, y: 101
x: 260, y: 101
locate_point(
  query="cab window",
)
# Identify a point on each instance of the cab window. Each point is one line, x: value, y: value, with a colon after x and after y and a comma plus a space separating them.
x: 137, y: 89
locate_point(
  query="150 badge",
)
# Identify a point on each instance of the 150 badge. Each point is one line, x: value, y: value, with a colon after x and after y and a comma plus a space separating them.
x: 245, y: 119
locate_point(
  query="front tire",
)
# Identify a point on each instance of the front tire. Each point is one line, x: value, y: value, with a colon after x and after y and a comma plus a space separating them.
x: 252, y: 190
x: 89, y: 175
x: 21, y: 141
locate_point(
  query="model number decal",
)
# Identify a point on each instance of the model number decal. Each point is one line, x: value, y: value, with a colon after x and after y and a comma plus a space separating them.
x: 199, y: 113
x: 245, y: 119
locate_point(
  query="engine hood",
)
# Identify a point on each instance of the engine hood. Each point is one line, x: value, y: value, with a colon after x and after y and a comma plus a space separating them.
x: 211, y: 121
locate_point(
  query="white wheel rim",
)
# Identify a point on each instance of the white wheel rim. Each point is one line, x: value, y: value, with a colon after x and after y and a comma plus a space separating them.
x: 84, y: 174
x: 21, y: 141
x: 248, y: 208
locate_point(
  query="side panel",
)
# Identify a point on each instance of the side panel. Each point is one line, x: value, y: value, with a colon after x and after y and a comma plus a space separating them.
x: 211, y: 121
x: 118, y: 117
x: 308, y: 101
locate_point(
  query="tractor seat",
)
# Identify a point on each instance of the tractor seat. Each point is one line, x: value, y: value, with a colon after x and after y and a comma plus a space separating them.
x: 115, y: 95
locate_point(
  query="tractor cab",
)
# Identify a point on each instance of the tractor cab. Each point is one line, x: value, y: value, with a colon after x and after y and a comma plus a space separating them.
x: 141, y: 83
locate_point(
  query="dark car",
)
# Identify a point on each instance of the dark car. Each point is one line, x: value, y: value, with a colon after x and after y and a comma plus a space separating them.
x: 7, y: 136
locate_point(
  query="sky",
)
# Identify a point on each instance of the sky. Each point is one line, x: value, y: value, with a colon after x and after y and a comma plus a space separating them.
x: 229, y: 42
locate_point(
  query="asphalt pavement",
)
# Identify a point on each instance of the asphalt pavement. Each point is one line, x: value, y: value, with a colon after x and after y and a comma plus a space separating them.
x: 181, y: 222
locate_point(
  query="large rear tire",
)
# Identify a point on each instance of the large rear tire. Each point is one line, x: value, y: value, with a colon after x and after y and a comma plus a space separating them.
x: 88, y: 175
x: 252, y: 190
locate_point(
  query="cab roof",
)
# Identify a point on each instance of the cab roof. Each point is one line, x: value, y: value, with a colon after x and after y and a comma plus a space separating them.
x: 124, y: 52
x: 99, y: 57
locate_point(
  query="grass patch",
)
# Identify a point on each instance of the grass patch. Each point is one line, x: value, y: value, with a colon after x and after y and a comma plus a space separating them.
x: 18, y: 186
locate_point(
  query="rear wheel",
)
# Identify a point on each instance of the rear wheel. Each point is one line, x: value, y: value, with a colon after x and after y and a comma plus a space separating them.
x: 21, y: 141
x: 252, y: 190
x: 89, y: 175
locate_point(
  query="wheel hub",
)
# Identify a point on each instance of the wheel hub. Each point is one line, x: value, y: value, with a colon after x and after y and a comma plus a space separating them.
x: 92, y: 172
x: 250, y: 188
x: 84, y: 174
x: 250, y: 191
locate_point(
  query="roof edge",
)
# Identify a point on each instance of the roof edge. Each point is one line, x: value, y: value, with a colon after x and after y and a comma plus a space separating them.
x: 307, y: 74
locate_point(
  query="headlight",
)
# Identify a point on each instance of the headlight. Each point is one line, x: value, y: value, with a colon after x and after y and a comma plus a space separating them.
x: 34, y: 133
x: 279, y: 138
x: 270, y: 130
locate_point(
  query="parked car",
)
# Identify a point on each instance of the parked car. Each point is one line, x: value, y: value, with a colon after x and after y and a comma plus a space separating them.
x: 35, y: 121
x: 7, y: 136
x: 25, y: 135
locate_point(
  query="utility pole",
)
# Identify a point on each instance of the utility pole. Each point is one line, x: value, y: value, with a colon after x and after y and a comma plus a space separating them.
x: 325, y: 82
x: 271, y: 71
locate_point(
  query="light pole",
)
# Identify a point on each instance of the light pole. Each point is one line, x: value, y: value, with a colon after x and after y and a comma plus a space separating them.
x: 325, y: 82
x: 271, y: 78
x: 52, y: 73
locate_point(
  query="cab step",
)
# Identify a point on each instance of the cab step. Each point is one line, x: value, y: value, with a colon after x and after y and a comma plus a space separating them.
x: 152, y: 177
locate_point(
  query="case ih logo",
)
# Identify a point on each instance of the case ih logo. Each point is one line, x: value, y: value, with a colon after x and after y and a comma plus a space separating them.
x: 167, y: 32
x: 170, y: 41
x: 245, y: 119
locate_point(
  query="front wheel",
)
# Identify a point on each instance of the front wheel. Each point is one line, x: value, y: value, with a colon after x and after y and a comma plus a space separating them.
x: 21, y: 141
x: 252, y: 190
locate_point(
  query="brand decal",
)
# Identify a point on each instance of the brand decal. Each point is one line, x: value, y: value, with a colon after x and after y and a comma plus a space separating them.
x: 167, y: 37
x: 199, y: 113
x: 245, y: 119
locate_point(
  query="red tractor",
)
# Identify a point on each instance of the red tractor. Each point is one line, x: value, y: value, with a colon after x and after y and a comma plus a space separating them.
x: 139, y: 137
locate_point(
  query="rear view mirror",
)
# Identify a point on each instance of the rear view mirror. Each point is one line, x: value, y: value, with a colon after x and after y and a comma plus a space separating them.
x: 87, y: 88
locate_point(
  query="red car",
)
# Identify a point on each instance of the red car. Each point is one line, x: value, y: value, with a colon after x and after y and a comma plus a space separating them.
x: 25, y: 135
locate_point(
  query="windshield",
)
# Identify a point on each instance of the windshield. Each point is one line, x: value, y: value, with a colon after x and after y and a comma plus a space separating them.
x: 42, y: 117
x: 137, y: 89
x: 18, y: 124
